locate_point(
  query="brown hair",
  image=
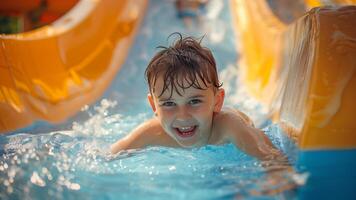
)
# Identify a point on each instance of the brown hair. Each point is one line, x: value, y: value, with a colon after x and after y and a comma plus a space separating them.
x: 185, y: 60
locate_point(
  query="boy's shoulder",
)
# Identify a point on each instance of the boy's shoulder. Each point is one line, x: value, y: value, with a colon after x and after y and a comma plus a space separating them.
x: 229, y: 114
x: 227, y: 123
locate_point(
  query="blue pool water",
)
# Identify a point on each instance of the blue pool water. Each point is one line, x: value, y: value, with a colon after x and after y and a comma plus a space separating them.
x: 75, y: 164
x: 71, y: 160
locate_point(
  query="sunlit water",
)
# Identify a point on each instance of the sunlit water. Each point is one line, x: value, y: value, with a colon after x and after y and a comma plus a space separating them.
x: 75, y: 164
x: 72, y: 160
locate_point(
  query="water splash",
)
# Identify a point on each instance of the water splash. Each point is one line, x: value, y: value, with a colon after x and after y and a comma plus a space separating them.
x: 239, y: 98
x: 65, y: 164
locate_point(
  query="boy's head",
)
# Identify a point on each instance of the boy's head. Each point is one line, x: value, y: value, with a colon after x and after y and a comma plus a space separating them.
x: 185, y: 60
x: 185, y: 90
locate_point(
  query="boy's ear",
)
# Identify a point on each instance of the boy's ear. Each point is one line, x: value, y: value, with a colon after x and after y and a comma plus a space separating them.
x: 151, y: 101
x: 219, y: 100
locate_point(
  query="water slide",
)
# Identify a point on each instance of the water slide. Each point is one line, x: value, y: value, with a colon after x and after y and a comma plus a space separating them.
x: 301, y: 68
x: 304, y: 72
x: 51, y: 72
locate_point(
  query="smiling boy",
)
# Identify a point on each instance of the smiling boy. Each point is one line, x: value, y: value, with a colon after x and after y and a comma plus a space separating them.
x: 187, y: 98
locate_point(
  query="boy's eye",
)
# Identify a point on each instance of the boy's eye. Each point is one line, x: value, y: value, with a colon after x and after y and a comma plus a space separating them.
x: 195, y: 101
x: 168, y: 104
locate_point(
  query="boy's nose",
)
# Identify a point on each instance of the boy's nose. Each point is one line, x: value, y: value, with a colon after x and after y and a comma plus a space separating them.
x: 183, y: 114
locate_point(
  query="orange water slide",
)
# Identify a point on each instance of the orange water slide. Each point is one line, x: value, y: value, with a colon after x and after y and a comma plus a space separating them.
x: 261, y: 34
x: 304, y: 72
x: 320, y: 92
x: 51, y: 72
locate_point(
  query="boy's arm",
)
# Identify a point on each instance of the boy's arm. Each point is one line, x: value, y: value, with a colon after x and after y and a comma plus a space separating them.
x: 146, y: 134
x: 239, y: 129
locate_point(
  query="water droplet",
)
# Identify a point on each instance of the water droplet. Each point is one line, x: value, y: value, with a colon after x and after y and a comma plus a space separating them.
x: 172, y: 168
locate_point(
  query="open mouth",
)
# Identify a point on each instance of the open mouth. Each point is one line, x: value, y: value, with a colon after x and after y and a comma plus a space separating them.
x: 186, y: 131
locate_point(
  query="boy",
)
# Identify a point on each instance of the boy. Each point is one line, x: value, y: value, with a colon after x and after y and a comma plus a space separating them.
x: 187, y: 98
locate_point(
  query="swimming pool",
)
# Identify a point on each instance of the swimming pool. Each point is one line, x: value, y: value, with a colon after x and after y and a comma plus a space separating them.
x: 71, y: 160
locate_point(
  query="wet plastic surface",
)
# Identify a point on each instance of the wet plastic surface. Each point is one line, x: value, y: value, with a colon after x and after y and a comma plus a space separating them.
x: 51, y: 72
x: 302, y: 72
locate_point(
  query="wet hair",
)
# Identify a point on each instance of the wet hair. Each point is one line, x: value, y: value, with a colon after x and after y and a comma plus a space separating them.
x: 185, y: 61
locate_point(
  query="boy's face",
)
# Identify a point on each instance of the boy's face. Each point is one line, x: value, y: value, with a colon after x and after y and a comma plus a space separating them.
x: 187, y: 118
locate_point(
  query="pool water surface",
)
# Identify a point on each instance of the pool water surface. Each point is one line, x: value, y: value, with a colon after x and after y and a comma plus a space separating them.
x: 76, y: 164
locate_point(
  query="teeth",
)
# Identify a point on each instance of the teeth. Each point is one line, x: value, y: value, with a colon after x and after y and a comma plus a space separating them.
x: 185, y: 129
